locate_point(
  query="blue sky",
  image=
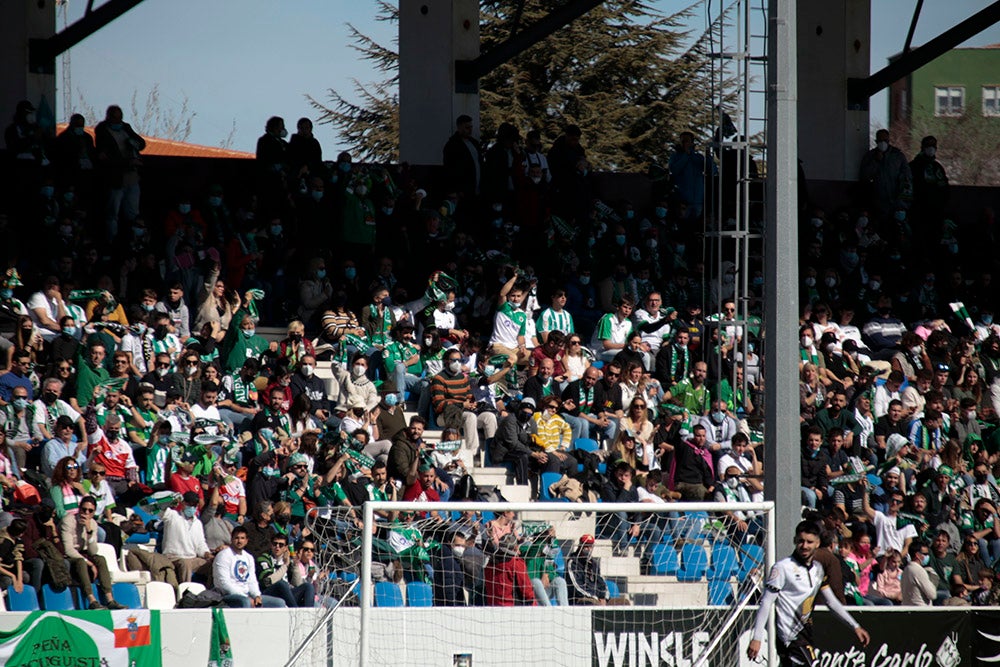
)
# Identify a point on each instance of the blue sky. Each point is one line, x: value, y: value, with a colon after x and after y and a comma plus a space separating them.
x: 246, y: 60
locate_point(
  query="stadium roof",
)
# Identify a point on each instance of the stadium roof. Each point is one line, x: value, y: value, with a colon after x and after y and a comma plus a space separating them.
x: 171, y: 148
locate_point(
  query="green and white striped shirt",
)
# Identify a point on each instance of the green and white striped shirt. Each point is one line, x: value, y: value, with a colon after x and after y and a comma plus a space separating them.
x: 555, y: 321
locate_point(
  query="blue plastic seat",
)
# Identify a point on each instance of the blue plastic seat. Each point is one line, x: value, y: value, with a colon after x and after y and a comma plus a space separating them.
x: 613, y: 591
x: 419, y: 594
x: 126, y: 594
x: 691, y: 526
x: 559, y: 562
x: 725, y: 563
x: 387, y: 594
x: 586, y: 444
x: 694, y: 563
x: 664, y: 560
x: 53, y: 600
x: 720, y: 592
x: 544, y: 482
x: 26, y: 600
x: 753, y: 557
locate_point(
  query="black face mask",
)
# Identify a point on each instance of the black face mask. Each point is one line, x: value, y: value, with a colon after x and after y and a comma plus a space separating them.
x: 981, y: 479
x: 161, y: 332
x: 283, y: 520
x: 523, y: 416
x: 49, y: 397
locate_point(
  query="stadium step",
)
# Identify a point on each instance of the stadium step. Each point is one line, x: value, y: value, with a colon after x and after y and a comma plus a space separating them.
x: 670, y: 591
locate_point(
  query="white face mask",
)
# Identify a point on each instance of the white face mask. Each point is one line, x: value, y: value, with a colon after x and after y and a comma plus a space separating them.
x: 449, y: 306
x: 930, y: 151
x: 915, y: 350
x: 359, y: 370
x: 732, y: 482
x: 455, y: 366
x: 458, y: 551
x: 307, y: 370
x: 882, y: 146
x: 807, y: 341
x: 428, y: 342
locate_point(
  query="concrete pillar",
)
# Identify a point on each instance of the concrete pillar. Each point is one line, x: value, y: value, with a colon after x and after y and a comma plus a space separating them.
x: 21, y: 20
x: 833, y: 44
x: 433, y: 34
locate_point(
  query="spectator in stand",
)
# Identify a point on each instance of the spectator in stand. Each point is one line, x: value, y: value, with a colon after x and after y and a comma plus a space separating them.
x: 586, y: 585
x: 118, y: 147
x: 613, y: 330
x: 184, y: 539
x: 691, y: 393
x: 275, y: 569
x: 813, y: 470
x: 463, y: 160
x: 554, y: 436
x: 79, y: 537
x: 506, y: 577
x: 452, y: 401
x: 919, y: 581
x: 234, y: 574
x: 688, y: 169
x: 885, y: 175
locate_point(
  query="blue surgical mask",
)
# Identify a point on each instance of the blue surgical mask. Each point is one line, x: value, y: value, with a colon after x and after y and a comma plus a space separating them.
x: 926, y: 560
x: 6, y: 293
x: 758, y: 281
x: 79, y: 131
x: 900, y: 216
x: 629, y: 214
x: 215, y: 201
x: 20, y: 403
x: 620, y: 239
x: 987, y: 319
x: 584, y: 280
x: 248, y: 333
x: 184, y: 209
x: 718, y: 416
x: 148, y: 307
x: 47, y: 191
x: 660, y: 211
x: 321, y: 273
x: 387, y: 210
x: 489, y: 370
x: 680, y: 248
x: 351, y: 273
x: 189, y: 512
x: 116, y: 127
x: 344, y: 167
x: 391, y: 399
x: 275, y: 230
x: 317, y: 195
x: 69, y: 196
x: 69, y: 331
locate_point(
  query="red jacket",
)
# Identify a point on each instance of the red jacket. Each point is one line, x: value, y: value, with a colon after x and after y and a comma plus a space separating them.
x: 507, y: 583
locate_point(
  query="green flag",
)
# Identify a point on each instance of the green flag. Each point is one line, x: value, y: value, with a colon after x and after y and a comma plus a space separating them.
x: 220, y: 651
x: 123, y: 638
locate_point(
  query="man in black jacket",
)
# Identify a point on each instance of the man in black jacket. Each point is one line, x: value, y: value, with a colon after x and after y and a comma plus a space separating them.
x: 814, y: 463
x: 449, y: 577
x: 514, y: 442
x: 583, y: 407
x: 693, y: 477
x: 586, y: 585
x: 118, y: 147
x: 463, y: 160
x: 621, y: 527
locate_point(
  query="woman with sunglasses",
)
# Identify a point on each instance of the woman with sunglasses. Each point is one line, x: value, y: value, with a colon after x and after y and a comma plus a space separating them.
x: 67, y: 487
x: 636, y: 423
x: 968, y: 565
x: 577, y: 358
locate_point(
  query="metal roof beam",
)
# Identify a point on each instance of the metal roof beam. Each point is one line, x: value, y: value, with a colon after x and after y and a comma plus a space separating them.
x: 860, y: 90
x: 468, y: 72
x: 42, y: 52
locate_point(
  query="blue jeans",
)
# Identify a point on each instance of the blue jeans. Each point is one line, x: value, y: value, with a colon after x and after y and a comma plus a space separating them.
x: 242, y: 601
x: 616, y: 526
x: 808, y: 497
x: 557, y: 588
x: 406, y: 382
x: 303, y: 595
x: 577, y: 425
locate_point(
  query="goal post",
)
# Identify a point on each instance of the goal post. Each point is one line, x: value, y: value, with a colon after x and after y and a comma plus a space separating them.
x: 695, y: 544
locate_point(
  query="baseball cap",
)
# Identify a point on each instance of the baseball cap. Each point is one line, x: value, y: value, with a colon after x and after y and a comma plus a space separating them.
x: 586, y: 539
x: 528, y: 401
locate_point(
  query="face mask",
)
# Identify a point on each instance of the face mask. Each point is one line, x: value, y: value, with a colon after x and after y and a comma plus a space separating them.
x: 536, y: 179
x: 350, y: 273
x: 851, y: 258
x: 807, y: 341
x: 275, y: 230
x: 816, y: 222
x: 810, y: 281
x: 450, y: 306
x: 392, y: 400
x: 358, y: 370
x: 980, y: 479
x: 458, y: 551
x: 116, y: 127
x: 189, y: 511
x: 718, y: 416
x: 874, y: 285
x: 862, y: 222
x: 523, y: 416
x: 971, y: 414
x: 283, y: 520
x: 930, y: 151
x: 164, y: 439
x: 900, y: 216
x: 455, y: 366
x: 68, y: 197
x: 191, y: 370
x: 620, y: 239
x: 758, y: 281
x: 584, y: 280
x: 184, y: 209
x: 660, y: 211
x: 47, y: 191
x: 215, y: 201
x: 69, y: 331
x: 307, y: 370
x: 987, y: 319
x: 283, y: 133
x: 49, y: 397
x: 20, y: 403
x: 882, y: 146
x: 915, y: 350
x: 344, y: 167
x: 361, y: 190
x: 79, y: 131
x: 6, y: 293
x: 489, y: 370
x: 629, y: 214
x: 830, y: 281
x: 321, y: 273
x: 732, y: 483
x: 497, y: 223
x: 591, y: 241
x: 248, y: 333
x: 926, y: 560
x: 162, y: 372
x: 317, y: 195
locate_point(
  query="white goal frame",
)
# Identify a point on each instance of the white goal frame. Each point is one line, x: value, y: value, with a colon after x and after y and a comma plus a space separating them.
x: 367, y: 590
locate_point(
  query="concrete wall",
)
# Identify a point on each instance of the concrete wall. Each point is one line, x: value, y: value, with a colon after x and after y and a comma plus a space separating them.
x: 833, y: 44
x: 19, y: 21
x: 432, y: 35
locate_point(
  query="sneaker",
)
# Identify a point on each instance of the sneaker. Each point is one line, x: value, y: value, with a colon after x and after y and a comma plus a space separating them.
x: 114, y: 604
x: 95, y: 605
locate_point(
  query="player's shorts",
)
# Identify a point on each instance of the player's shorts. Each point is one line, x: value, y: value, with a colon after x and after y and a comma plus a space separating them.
x: 799, y: 652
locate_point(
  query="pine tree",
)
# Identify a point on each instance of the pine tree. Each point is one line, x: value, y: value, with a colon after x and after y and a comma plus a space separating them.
x: 620, y: 72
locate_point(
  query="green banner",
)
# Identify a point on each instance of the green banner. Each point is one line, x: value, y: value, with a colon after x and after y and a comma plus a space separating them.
x: 220, y: 650
x: 125, y: 638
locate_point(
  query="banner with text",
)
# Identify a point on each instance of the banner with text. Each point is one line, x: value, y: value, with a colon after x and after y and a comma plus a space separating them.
x: 678, y: 637
x: 123, y: 638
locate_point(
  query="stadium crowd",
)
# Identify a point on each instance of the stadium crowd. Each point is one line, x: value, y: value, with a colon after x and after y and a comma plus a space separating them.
x: 531, y: 323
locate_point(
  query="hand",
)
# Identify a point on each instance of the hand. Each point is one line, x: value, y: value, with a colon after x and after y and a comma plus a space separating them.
x: 257, y: 601
x: 18, y: 586
x: 634, y: 530
x: 753, y: 650
x: 862, y: 635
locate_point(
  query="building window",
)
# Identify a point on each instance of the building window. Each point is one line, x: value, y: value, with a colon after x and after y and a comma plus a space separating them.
x: 991, y: 100
x: 949, y: 100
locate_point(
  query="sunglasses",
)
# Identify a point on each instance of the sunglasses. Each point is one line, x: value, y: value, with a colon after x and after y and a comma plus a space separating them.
x: 279, y: 544
x: 574, y: 342
x: 158, y: 365
x: 72, y: 467
x: 98, y: 473
x: 309, y: 549
x: 87, y: 510
x: 638, y: 405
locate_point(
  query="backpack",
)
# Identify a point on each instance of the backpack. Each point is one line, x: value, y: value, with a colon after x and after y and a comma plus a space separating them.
x: 207, y: 598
